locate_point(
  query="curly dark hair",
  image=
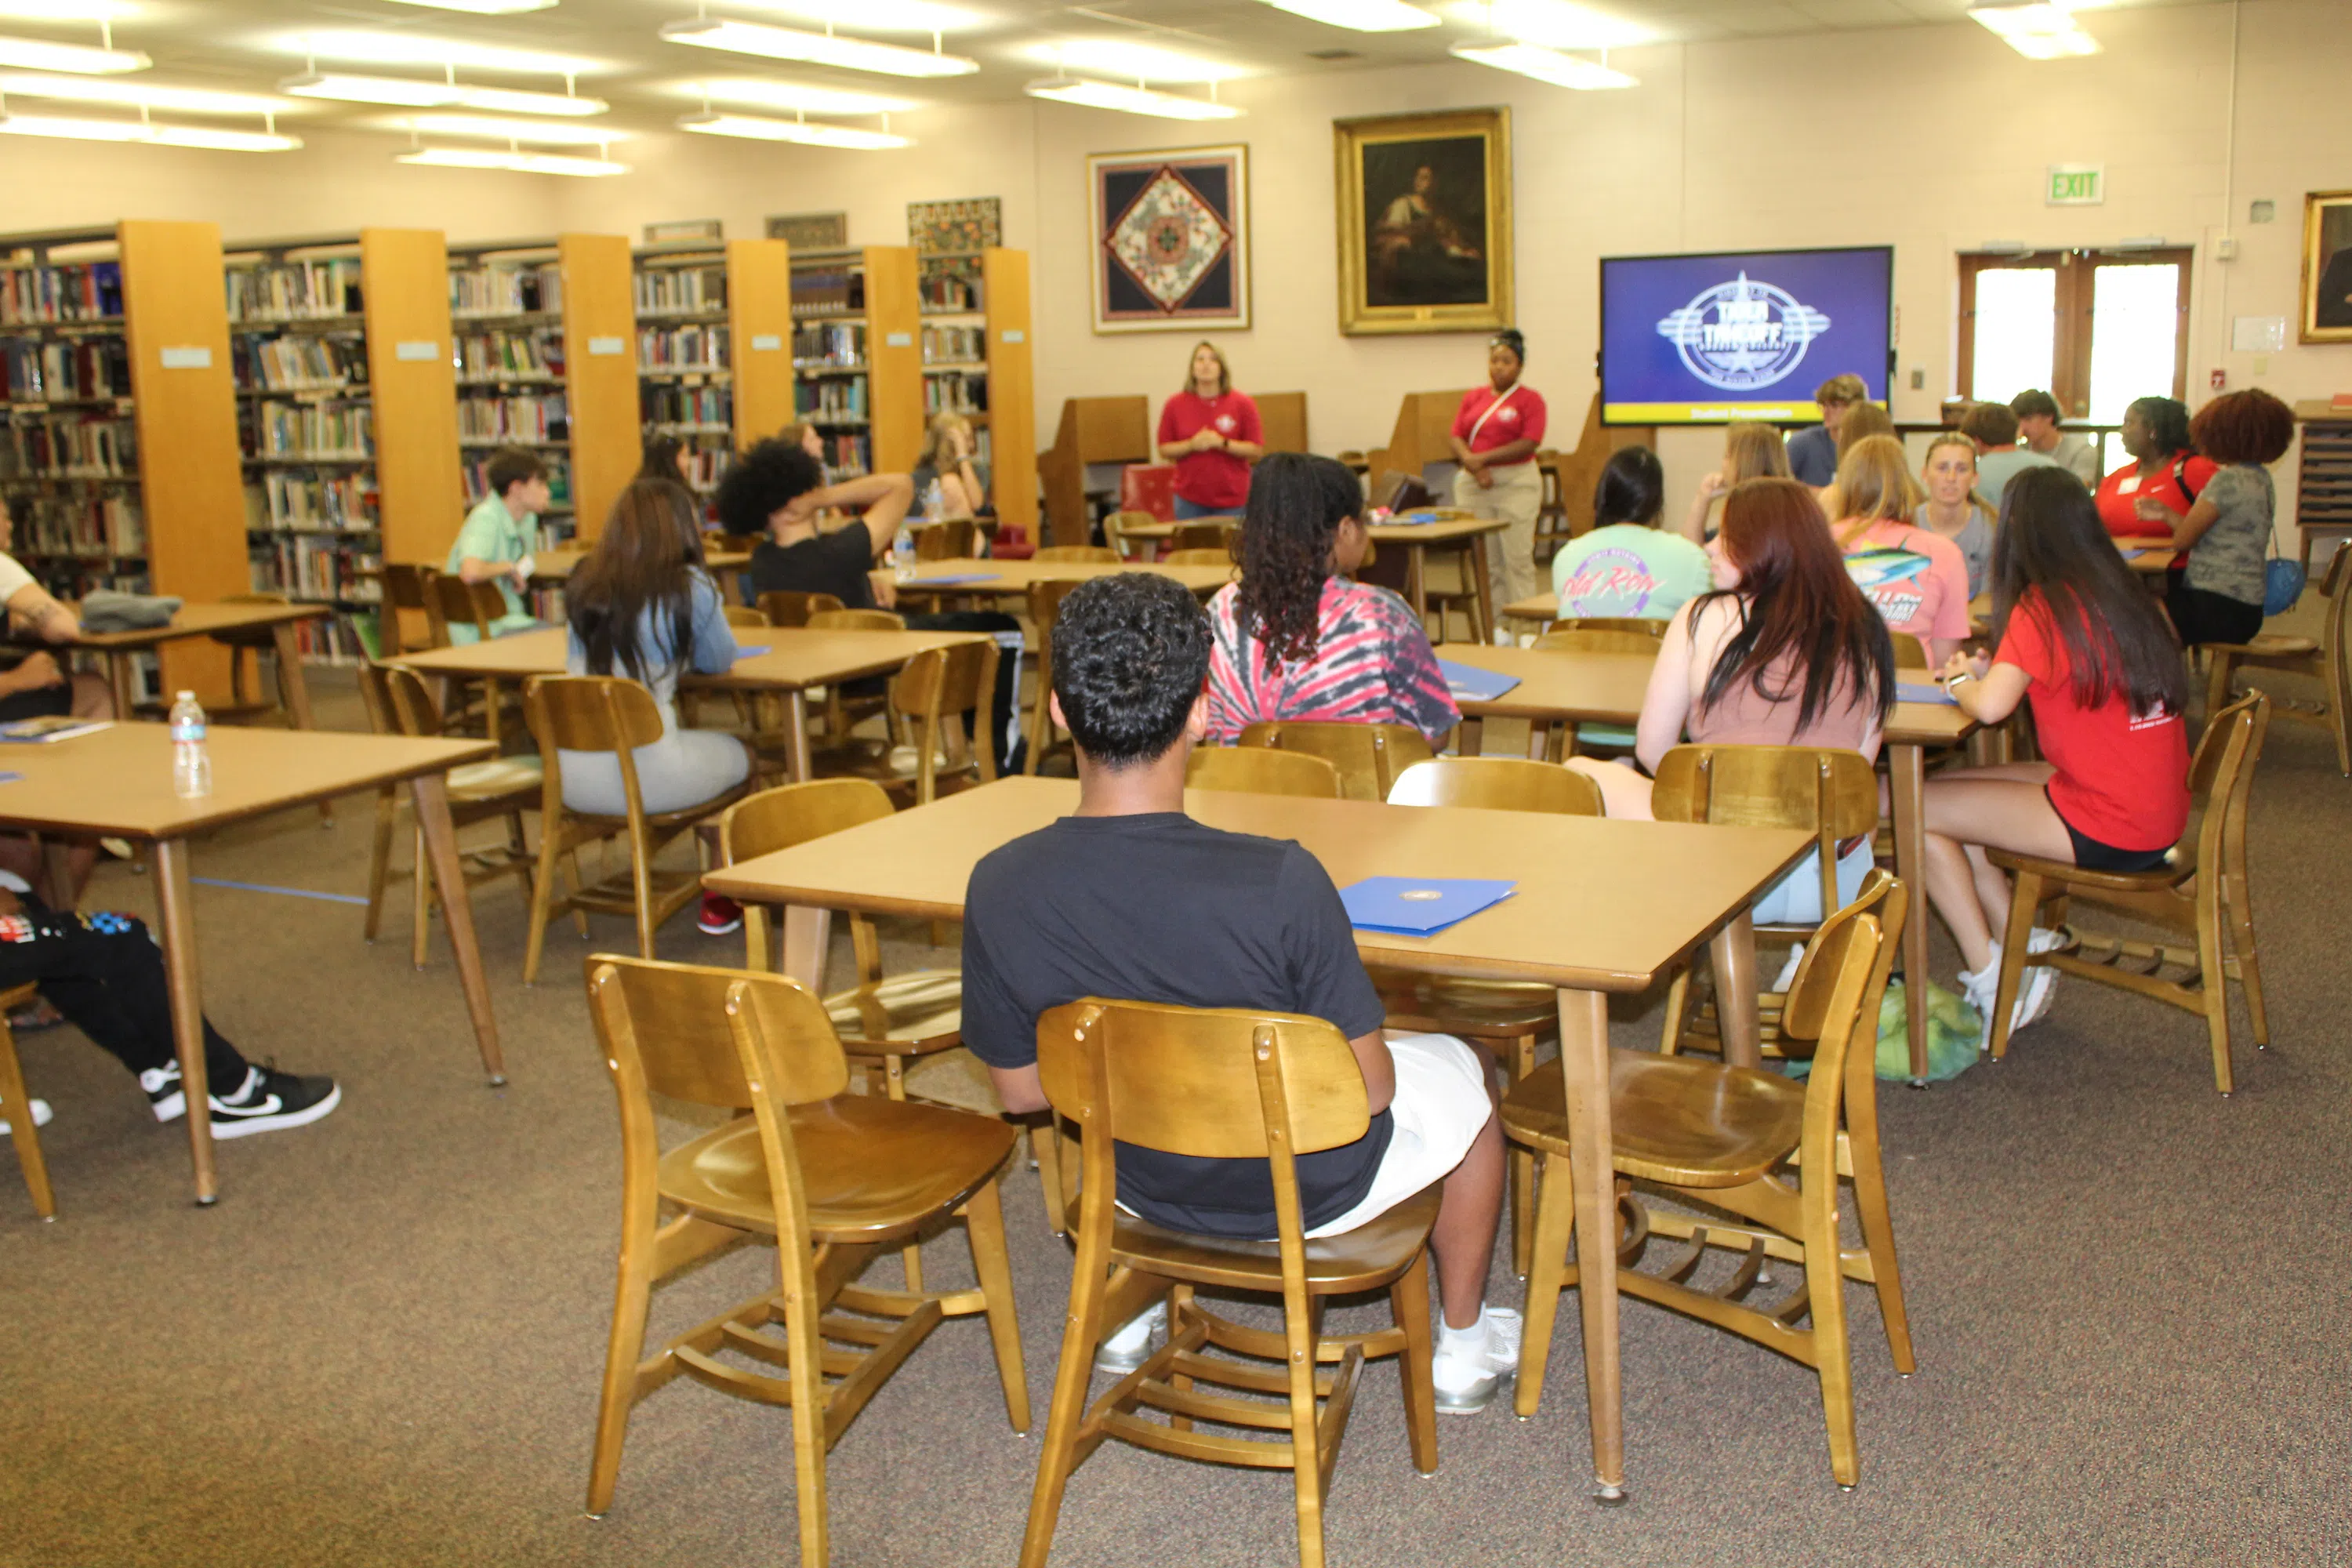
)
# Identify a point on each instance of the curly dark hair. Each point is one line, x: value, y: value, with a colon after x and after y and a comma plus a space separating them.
x: 1296, y: 503
x: 762, y: 481
x: 2249, y: 426
x: 2166, y: 419
x: 1632, y: 489
x: 1130, y: 658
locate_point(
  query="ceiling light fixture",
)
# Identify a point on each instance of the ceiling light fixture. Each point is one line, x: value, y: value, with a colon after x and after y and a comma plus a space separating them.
x: 755, y: 128
x: 1122, y: 60
x: 1361, y: 16
x: 410, y: 92
x: 759, y: 92
x: 1545, y: 65
x: 1555, y: 24
x: 485, y: 7
x: 38, y: 55
x: 370, y: 47
x: 65, y: 10
x: 545, y: 132
x: 1135, y: 99
x: 512, y: 161
x: 877, y: 15
x: 75, y: 129
x: 817, y: 48
x: 2042, y: 31
x: 103, y: 90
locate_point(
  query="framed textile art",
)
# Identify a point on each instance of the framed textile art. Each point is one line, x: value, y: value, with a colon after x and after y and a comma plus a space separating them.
x: 1170, y: 232
x: 959, y: 229
x: 1425, y: 205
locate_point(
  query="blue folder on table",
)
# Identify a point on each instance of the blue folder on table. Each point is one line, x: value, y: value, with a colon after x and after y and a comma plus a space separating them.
x: 1415, y: 519
x: 1924, y: 691
x: 949, y: 578
x: 1417, y: 906
x: 749, y: 650
x: 2134, y: 555
x: 1467, y: 682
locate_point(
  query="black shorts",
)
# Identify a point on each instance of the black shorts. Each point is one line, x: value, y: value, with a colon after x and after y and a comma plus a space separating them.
x: 2201, y: 616
x: 36, y: 704
x: 2092, y: 854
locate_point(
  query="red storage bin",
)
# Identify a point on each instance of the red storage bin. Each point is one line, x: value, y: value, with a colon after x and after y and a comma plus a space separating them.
x: 1148, y: 487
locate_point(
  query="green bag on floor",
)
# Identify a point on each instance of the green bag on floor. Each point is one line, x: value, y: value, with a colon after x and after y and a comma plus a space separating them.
x: 1954, y: 1030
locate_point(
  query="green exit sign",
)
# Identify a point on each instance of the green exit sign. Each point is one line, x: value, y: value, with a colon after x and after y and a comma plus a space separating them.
x: 2076, y: 185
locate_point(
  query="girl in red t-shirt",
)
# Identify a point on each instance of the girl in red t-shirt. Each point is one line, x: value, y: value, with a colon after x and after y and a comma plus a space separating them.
x: 2087, y: 647
x: 2146, y: 496
x: 1213, y: 435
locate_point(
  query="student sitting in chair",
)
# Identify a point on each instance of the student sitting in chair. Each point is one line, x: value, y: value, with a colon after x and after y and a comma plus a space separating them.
x: 499, y: 536
x: 1131, y: 899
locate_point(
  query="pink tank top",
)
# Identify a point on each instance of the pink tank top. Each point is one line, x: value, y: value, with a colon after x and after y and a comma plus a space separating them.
x: 1747, y: 718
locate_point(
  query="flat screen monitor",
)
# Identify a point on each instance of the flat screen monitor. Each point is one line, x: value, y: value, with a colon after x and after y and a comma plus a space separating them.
x: 1703, y: 340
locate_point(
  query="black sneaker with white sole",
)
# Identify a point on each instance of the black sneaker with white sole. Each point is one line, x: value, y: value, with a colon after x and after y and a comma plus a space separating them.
x: 267, y: 1101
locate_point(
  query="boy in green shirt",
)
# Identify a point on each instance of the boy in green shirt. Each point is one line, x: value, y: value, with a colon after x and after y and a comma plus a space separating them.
x: 499, y: 534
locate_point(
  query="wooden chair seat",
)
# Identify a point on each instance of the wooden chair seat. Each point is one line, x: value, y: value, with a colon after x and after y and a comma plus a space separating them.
x: 1365, y: 1259
x: 476, y: 783
x: 1441, y: 1004
x: 16, y: 1106
x: 913, y: 1014
x: 2321, y: 660
x: 2271, y: 644
x: 1680, y: 1120
x: 858, y: 1190
x: 2181, y: 864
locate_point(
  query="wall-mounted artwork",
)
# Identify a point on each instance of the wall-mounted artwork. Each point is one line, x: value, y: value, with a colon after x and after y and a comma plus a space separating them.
x: 680, y: 231
x: 1424, y: 204
x: 1170, y: 232
x: 810, y: 231
x: 2326, y: 267
x: 955, y: 228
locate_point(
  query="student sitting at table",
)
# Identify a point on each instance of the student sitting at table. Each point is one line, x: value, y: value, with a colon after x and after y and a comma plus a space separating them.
x: 1953, y: 508
x: 495, y: 543
x: 2215, y: 588
x: 1625, y: 565
x: 1297, y: 637
x: 1916, y: 579
x: 2164, y: 476
x: 1784, y: 651
x: 38, y: 685
x: 1751, y: 450
x: 1131, y: 899
x: 2086, y: 644
x: 641, y: 606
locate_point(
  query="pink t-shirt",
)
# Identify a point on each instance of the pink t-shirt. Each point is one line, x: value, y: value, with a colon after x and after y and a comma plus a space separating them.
x: 1916, y: 581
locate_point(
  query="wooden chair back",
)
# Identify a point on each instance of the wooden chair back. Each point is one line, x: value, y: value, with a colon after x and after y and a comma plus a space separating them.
x: 732, y: 544
x: 793, y: 813
x: 1261, y: 769
x: 1654, y: 630
x: 744, y: 615
x: 1497, y: 784
x: 1116, y: 523
x: 1218, y: 556
x: 1830, y: 793
x: 406, y: 588
x: 464, y: 603
x: 1097, y: 552
x: 592, y: 713
x: 1046, y: 597
x: 1910, y: 653
x: 409, y: 702
x: 1590, y: 639
x: 934, y: 692
x: 855, y: 620
x: 784, y: 607
x: 1369, y: 756
x: 948, y: 540
x: 671, y: 1029
x: 16, y: 1107
x: 377, y: 697
x: 1204, y: 533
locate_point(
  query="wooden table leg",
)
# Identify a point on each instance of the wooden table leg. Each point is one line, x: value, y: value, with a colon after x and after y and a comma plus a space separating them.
x: 430, y: 795
x: 1732, y: 950
x: 796, y: 733
x: 1470, y: 737
x: 118, y: 675
x: 1538, y: 739
x: 808, y: 937
x: 294, y: 689
x: 1485, y: 589
x: 1416, y: 583
x: 1584, y: 1062
x: 178, y: 918
x: 1907, y: 774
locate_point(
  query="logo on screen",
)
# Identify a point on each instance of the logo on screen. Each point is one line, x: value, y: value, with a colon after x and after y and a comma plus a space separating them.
x: 1743, y: 335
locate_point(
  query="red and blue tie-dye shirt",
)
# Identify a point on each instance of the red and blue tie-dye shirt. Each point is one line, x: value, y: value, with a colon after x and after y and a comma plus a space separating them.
x: 1373, y: 665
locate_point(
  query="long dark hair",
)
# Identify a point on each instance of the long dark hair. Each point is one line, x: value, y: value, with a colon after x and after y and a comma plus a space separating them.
x: 2052, y: 543
x: 1296, y: 503
x: 649, y: 556
x: 1631, y: 488
x: 660, y: 458
x: 1800, y: 606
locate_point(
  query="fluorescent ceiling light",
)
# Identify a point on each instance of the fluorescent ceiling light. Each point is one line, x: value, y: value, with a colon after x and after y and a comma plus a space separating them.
x: 1129, y: 100
x: 756, y: 129
x: 484, y: 8
x: 101, y: 89
x: 546, y: 132
x: 412, y: 92
x: 816, y: 48
x: 35, y: 55
x: 65, y: 10
x: 511, y: 101
x: 223, y: 141
x: 514, y: 162
x: 138, y: 131
x: 1129, y: 62
x: 1555, y: 24
x: 72, y: 130
x: 388, y: 48
x: 1545, y: 65
x: 1362, y: 15
x: 2039, y: 32
x: 762, y: 93
x: 878, y: 15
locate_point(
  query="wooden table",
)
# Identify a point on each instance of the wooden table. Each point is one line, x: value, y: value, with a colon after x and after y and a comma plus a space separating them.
x: 796, y: 660
x: 994, y: 578
x: 1602, y: 906
x: 202, y: 621
x: 553, y: 568
x: 118, y: 781
x: 1608, y: 687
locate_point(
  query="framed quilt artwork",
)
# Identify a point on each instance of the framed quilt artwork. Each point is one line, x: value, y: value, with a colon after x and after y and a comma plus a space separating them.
x: 1172, y: 239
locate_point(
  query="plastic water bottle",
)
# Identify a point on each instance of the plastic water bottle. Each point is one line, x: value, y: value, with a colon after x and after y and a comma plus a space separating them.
x: 192, y: 763
x: 902, y: 555
x: 935, y: 502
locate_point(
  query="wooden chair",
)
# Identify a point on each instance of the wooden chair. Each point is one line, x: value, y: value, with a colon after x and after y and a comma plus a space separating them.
x: 1097, y: 553
x: 1204, y: 533
x: 1449, y: 578
x: 2202, y: 888
x: 844, y: 713
x: 261, y: 642
x: 1551, y: 512
x: 1591, y: 636
x: 1639, y: 624
x: 1717, y: 1136
x: 1044, y: 608
x: 948, y: 540
x: 1235, y: 1085
x: 408, y: 589
x: 399, y: 702
x: 1260, y: 770
x: 1369, y: 756
x: 464, y: 603
x: 605, y: 714
x: 854, y: 620
x: 1497, y: 784
x: 1831, y: 795
x: 929, y: 699
x: 800, y: 1170
x: 16, y: 1106
x: 2323, y: 661
x: 1114, y: 527
x: 1218, y: 556
x: 785, y: 608
x: 478, y: 606
x: 1910, y: 653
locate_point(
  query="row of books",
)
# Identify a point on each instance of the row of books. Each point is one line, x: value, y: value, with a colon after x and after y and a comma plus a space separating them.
x: 828, y: 291
x: 328, y: 569
x: 98, y: 447
x: 88, y: 525
x: 85, y: 291
x: 679, y: 405
x: 706, y: 465
x: 831, y: 400
x: 294, y: 290
x: 681, y: 290
x: 841, y: 344
x: 311, y: 430
x: 847, y: 458
x: 506, y: 291
x: 55, y: 372
x: 330, y: 640
x: 682, y: 348
x: 488, y: 356
x: 947, y: 291
x: 477, y: 467
x: 297, y: 363
x: 522, y: 417
x: 955, y: 345
x: 279, y: 501
x: 955, y: 394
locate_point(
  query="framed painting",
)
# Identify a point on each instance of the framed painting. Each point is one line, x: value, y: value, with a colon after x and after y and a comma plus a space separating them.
x: 1424, y: 221
x: 1170, y: 232
x: 810, y: 231
x: 2326, y: 267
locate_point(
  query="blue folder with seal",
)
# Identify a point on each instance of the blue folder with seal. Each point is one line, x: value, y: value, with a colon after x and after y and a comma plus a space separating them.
x: 1468, y: 683
x: 1924, y: 691
x: 749, y: 650
x: 947, y: 579
x: 1418, y: 906
x: 1418, y: 517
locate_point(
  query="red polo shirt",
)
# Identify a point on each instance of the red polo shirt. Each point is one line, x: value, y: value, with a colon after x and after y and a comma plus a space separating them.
x: 1520, y: 418
x: 1215, y: 478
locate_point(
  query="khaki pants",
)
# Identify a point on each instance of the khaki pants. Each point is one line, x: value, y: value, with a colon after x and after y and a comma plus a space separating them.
x: 1516, y: 496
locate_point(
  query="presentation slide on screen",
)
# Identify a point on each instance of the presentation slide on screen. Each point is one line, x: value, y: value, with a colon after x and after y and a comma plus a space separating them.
x: 1699, y: 340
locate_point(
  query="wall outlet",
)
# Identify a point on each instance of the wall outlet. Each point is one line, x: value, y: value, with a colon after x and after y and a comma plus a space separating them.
x: 2225, y: 247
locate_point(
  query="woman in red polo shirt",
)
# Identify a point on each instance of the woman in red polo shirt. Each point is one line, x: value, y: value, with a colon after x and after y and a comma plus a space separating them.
x: 2090, y: 649
x: 1496, y: 433
x: 1212, y: 434
x: 2145, y: 497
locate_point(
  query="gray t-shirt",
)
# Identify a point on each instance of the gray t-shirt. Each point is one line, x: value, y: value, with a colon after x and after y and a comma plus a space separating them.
x: 1975, y: 539
x: 2228, y: 558
x: 2079, y: 458
x: 1997, y: 467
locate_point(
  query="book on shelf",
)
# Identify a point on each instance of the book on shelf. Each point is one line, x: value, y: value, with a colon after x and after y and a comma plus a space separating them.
x: 702, y: 407
x: 323, y: 569
x: 80, y: 292
x: 289, y: 500
x: 314, y: 429
x: 848, y: 458
x: 297, y: 363
x: 79, y: 370
x: 955, y: 345
x: 489, y: 356
x: 294, y: 290
x: 68, y: 446
x: 92, y: 524
x: 950, y: 292
x: 840, y: 345
x: 505, y: 291
x: 955, y: 394
x: 822, y: 401
x: 682, y: 348
x: 681, y: 290
x: 528, y: 417
x: 828, y: 291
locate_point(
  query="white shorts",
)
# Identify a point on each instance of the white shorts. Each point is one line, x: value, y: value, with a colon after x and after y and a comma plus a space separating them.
x: 1440, y: 1106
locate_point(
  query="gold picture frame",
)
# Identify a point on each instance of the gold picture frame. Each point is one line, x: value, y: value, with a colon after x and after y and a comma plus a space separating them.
x: 2326, y: 316
x: 1424, y: 209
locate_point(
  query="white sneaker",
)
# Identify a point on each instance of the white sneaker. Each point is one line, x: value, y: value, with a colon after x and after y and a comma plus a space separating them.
x: 1788, y: 975
x: 1470, y: 1367
x: 2034, y: 988
x: 1129, y: 1346
x: 40, y: 1117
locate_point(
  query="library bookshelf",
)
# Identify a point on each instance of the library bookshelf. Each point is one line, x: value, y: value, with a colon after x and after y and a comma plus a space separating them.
x: 858, y: 354
x: 714, y: 330
x: 976, y: 363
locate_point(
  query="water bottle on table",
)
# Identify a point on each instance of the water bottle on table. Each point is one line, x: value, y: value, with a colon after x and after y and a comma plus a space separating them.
x: 902, y: 555
x: 192, y: 763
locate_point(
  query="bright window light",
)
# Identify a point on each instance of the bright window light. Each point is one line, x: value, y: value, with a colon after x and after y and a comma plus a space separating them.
x: 1126, y: 61
x: 1129, y: 100
x: 513, y: 163
x: 545, y: 132
x: 484, y: 8
x: 1361, y: 16
x: 2043, y: 31
x: 375, y: 49
x: 1555, y: 24
x: 102, y: 90
x: 758, y: 92
x: 877, y: 15
x: 757, y: 128
x: 72, y: 130
x: 816, y: 48
x: 1545, y: 65
x: 38, y: 55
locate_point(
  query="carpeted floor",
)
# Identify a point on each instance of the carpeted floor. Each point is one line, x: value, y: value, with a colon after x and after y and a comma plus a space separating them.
x: 382, y: 1345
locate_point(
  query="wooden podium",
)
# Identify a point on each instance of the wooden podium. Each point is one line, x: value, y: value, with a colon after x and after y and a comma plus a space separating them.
x: 1093, y: 430
x: 1282, y: 417
x: 1424, y: 420
x: 1577, y: 472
